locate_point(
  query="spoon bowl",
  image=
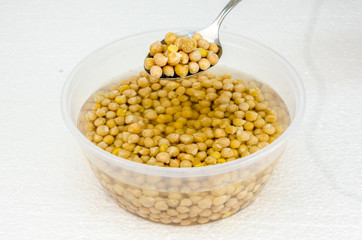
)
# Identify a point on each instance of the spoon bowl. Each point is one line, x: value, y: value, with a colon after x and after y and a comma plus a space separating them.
x: 210, y: 33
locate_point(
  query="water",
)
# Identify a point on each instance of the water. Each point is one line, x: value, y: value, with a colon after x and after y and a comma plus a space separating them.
x: 271, y: 96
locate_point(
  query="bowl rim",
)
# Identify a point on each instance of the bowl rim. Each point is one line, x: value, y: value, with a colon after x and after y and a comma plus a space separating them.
x: 298, y: 91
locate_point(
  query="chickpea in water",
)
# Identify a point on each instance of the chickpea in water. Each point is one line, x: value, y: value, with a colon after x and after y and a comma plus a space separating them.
x: 198, y: 121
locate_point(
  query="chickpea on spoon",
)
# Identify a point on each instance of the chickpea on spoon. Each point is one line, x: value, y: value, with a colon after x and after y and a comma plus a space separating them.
x: 186, y: 53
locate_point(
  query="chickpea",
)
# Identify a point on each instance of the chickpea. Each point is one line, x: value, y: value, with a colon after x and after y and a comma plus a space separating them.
x: 179, y: 41
x: 202, y: 43
x: 160, y: 59
x: 197, y: 36
x: 268, y: 129
x: 188, y: 45
x: 170, y: 38
x: 219, y: 133
x: 155, y: 48
x: 227, y: 153
x: 186, y: 139
x: 195, y: 56
x: 99, y: 121
x: 259, y: 123
x: 163, y: 157
x: 174, y: 163
x: 135, y: 128
x: 251, y: 115
x: 213, y: 47
x: 249, y: 126
x: 168, y: 71
x: 156, y: 71
x: 133, y: 138
x: 184, y: 57
x: 224, y: 142
x: 108, y: 139
x: 89, y: 127
x: 203, y: 52
x: 149, y: 62
x: 204, y: 64
x: 111, y: 115
x: 181, y: 70
x: 173, y: 138
x: 171, y: 48
x: 102, y: 130
x: 213, y: 58
x: 185, y: 164
x: 173, y: 58
x: 242, y: 136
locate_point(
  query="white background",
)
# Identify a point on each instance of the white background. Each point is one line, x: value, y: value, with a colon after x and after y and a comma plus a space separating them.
x: 47, y: 190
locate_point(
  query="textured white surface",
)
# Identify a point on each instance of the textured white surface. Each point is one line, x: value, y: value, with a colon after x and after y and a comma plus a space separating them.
x: 47, y: 191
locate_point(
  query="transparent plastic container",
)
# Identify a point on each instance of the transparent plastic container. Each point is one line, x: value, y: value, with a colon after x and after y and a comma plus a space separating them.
x: 182, y: 196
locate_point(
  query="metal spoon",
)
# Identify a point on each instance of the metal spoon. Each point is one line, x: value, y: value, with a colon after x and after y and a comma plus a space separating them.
x: 210, y: 33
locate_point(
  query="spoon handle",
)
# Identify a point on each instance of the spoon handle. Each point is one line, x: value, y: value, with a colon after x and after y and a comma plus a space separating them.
x: 231, y: 4
x: 211, y: 33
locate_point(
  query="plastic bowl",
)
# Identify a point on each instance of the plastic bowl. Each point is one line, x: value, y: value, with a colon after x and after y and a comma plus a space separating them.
x: 182, y: 196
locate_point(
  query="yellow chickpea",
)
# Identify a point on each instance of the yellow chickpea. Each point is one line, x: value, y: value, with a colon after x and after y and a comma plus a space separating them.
x: 195, y: 56
x: 156, y: 71
x: 155, y: 48
x: 149, y: 62
x: 170, y: 38
x: 172, y: 48
x: 203, y: 52
x: 184, y: 57
x: 213, y: 47
x: 181, y: 70
x: 193, y: 67
x: 163, y: 157
x: 204, y: 64
x: 202, y: 43
x: 168, y: 71
x: 102, y: 130
x: 268, y: 129
x: 179, y: 41
x: 160, y: 59
x: 197, y: 36
x: 188, y: 45
x: 185, y: 163
x: 173, y: 58
x: 251, y: 115
x: 213, y: 58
